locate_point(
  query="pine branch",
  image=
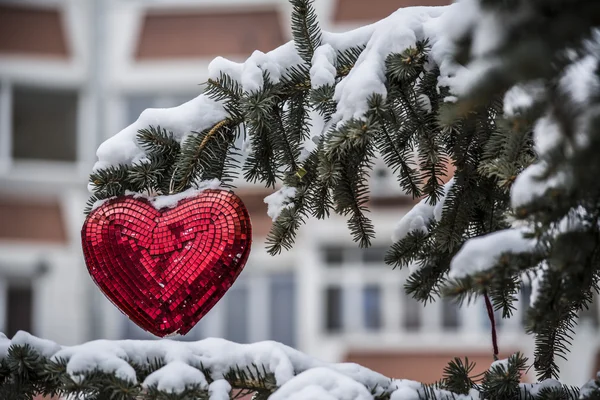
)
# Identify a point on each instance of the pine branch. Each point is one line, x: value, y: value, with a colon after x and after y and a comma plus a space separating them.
x: 321, y: 99
x: 265, y: 159
x: 350, y: 150
x: 305, y: 29
x: 409, y: 249
x: 199, y: 152
x: 502, y: 380
x: 283, y: 232
x: 158, y: 141
x: 346, y: 60
x: 457, y: 376
x: 397, y: 151
x: 227, y: 90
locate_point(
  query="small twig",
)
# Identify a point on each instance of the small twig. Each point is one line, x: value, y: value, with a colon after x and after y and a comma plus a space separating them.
x: 210, y: 134
x: 172, y: 181
x: 490, y: 311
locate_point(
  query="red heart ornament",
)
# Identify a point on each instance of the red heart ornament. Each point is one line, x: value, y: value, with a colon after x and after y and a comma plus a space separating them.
x: 165, y: 269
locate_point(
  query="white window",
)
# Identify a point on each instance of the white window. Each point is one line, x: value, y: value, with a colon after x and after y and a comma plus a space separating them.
x: 412, y: 312
x: 283, y: 307
x: 450, y: 314
x: 372, y: 307
x: 333, y: 309
x: 364, y: 289
x: 236, y: 309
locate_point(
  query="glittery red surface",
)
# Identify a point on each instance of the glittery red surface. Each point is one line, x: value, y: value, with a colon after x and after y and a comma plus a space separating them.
x: 166, y: 269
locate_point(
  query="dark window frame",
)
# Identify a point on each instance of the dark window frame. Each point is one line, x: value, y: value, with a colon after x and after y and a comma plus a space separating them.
x: 44, y: 124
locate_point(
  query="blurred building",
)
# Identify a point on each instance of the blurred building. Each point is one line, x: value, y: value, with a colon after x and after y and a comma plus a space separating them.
x: 74, y: 72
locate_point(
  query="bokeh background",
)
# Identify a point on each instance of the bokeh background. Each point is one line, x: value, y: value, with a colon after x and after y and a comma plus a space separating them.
x: 74, y: 72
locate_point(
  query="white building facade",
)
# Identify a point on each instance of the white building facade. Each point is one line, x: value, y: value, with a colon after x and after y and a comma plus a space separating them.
x: 73, y: 72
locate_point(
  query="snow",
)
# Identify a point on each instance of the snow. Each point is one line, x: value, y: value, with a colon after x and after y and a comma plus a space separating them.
x: 439, y: 206
x: 252, y: 78
x: 322, y: 70
x: 274, y: 62
x: 219, y: 390
x: 43, y: 346
x: 527, y: 187
x: 484, y: 252
x: 355, y: 371
x: 391, y: 35
x: 580, y: 80
x: 536, y: 282
x: 170, y: 201
x: 279, y: 201
x: 521, y: 97
x: 322, y: 384
x: 441, y: 33
x: 406, y: 390
x: 167, y: 201
x: 197, y: 115
x: 465, y: 79
x: 418, y: 218
x: 345, y: 40
x: 589, y: 387
x: 99, y: 202
x: 547, y: 383
x: 500, y: 363
x: 450, y: 99
x: 489, y: 33
x: 175, y: 377
x: 295, y: 373
x: 4, y: 345
x: 317, y: 127
x: 424, y: 102
x: 487, y: 30
x: 546, y: 134
x: 576, y: 219
x: 102, y: 355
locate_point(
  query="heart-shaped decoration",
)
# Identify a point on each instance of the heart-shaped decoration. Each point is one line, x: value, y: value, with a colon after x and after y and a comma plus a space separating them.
x: 166, y: 268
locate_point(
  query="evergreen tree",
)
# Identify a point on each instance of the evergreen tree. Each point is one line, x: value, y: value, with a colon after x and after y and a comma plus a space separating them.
x: 518, y: 127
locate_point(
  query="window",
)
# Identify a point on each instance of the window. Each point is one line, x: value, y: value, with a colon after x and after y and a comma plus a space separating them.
x: 283, y: 307
x: 135, y: 106
x: 486, y: 318
x: 372, y: 307
x: 450, y: 314
x: 412, y: 312
x: 236, y: 314
x: 524, y: 301
x: 336, y: 255
x: 44, y: 124
x: 374, y: 255
x: 19, y: 308
x: 333, y: 255
x: 333, y: 309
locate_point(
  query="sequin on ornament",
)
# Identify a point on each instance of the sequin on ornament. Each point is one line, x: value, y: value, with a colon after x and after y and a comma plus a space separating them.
x: 165, y: 269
